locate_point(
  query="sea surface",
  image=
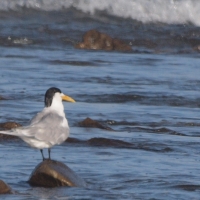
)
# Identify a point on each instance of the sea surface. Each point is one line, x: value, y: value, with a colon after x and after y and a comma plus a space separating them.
x: 150, y: 97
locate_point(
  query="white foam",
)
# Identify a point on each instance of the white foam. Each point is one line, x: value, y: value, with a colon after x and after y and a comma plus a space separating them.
x: 167, y: 11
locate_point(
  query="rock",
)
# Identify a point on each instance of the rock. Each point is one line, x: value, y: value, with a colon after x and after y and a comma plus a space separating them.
x: 7, y: 137
x: 91, y: 40
x: 51, y: 173
x: 119, y: 45
x: 107, y: 42
x: 196, y: 48
x: 106, y: 142
x: 2, y: 98
x: 96, y: 40
x: 4, y: 188
x: 9, y: 125
x: 93, y: 124
x: 74, y: 140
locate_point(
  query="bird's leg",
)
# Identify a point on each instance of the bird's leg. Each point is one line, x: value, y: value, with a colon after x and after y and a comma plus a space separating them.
x: 49, y: 150
x: 41, y: 150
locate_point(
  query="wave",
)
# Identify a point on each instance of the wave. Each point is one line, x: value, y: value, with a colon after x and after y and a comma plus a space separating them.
x: 164, y: 11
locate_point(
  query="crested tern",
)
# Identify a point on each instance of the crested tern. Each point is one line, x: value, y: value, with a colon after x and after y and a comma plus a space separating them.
x: 48, y: 127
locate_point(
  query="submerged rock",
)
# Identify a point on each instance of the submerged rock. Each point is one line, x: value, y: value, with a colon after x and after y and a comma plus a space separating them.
x: 106, y: 142
x: 88, y: 122
x: 96, y: 40
x: 4, y: 137
x: 2, y: 98
x: 51, y: 173
x: 4, y: 188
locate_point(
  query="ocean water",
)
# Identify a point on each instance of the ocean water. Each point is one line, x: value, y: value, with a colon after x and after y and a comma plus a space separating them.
x: 149, y: 97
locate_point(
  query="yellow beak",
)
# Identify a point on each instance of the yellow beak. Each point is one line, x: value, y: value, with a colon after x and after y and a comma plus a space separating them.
x: 67, y: 98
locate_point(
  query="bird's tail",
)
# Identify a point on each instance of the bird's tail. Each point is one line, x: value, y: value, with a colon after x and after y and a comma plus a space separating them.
x: 9, y: 132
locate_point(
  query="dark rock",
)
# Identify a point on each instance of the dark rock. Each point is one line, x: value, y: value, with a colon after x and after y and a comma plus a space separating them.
x: 7, y: 137
x: 188, y: 187
x: 4, y: 188
x: 2, y: 98
x: 9, y: 125
x: 144, y: 43
x: 73, y: 140
x: 106, y: 142
x: 102, y: 142
x: 51, y: 173
x: 196, y: 48
x: 119, y: 45
x: 96, y: 40
x: 93, y: 124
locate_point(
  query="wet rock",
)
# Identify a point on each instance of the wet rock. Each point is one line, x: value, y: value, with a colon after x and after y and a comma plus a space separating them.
x: 51, y: 173
x: 2, y: 98
x: 106, y: 142
x: 119, y: 45
x: 188, y: 187
x: 107, y: 42
x: 196, y: 48
x: 88, y: 122
x: 4, y: 137
x: 4, y: 188
x: 96, y: 40
x: 91, y: 40
x: 8, y: 126
x: 144, y: 43
x: 73, y: 140
x: 102, y: 142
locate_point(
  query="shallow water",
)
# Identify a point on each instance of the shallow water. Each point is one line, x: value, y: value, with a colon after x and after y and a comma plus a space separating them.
x: 149, y: 97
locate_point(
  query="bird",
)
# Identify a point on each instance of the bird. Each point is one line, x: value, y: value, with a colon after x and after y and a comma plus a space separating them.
x: 48, y: 127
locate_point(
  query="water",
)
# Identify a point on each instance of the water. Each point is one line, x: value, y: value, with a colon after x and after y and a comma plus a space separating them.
x: 149, y: 97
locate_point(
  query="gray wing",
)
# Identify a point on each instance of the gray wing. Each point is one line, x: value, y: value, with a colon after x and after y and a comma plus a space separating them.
x: 37, y: 117
x: 47, y: 127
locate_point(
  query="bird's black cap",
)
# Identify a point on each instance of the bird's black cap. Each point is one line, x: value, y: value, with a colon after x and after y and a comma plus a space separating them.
x: 49, y: 95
